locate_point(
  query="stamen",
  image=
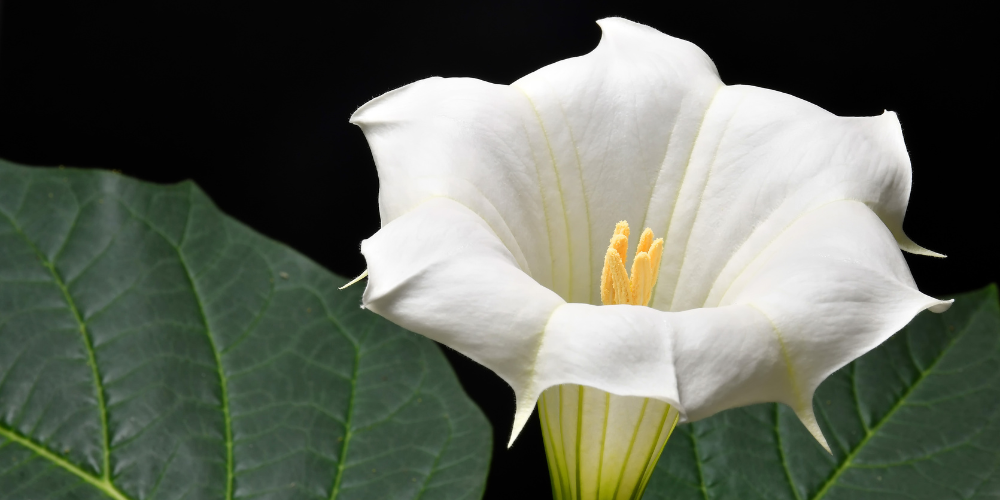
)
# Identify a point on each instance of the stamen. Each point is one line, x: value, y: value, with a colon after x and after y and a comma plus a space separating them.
x: 607, y: 282
x: 619, y: 242
x: 645, y: 240
x: 621, y: 228
x: 655, y: 252
x: 642, y: 279
x: 614, y: 280
x: 616, y: 285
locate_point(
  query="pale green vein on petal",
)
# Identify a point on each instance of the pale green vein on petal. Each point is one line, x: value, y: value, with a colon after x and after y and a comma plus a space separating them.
x: 628, y: 452
x: 604, y: 436
x: 545, y: 213
x: 785, y: 357
x: 654, y: 461
x: 586, y: 207
x: 701, y: 197
x: 803, y: 405
x: 579, y: 440
x: 762, y: 250
x: 680, y: 186
x: 562, y: 199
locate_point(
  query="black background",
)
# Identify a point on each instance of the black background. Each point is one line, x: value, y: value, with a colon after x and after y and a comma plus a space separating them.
x: 251, y: 100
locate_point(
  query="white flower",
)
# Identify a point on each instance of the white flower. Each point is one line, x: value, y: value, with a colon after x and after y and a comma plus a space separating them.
x: 782, y: 227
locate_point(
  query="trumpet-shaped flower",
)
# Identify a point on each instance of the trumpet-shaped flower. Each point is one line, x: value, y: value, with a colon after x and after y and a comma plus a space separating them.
x: 779, y: 263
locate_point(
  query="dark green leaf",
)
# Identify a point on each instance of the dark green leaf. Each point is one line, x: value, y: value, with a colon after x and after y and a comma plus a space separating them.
x: 153, y: 348
x: 916, y: 418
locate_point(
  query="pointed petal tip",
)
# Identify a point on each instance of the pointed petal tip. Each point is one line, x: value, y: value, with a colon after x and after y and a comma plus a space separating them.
x: 378, y: 109
x: 808, y: 419
x: 628, y: 38
x: 607, y: 22
x: 907, y: 245
x: 521, y: 416
x: 355, y: 280
x: 513, y: 436
x: 941, y: 306
x: 516, y: 430
x: 614, y: 26
x: 919, y: 250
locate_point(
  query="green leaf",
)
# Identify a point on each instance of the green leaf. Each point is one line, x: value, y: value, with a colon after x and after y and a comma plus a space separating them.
x: 916, y: 418
x: 153, y: 348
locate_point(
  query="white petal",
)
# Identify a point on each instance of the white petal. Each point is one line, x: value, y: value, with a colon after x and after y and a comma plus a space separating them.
x: 470, y: 141
x: 553, y: 161
x: 620, y: 123
x: 829, y: 288
x: 640, y: 129
x: 766, y: 159
x: 441, y: 271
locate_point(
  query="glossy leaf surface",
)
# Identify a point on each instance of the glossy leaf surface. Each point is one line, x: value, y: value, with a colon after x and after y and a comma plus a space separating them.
x: 916, y: 418
x: 153, y: 348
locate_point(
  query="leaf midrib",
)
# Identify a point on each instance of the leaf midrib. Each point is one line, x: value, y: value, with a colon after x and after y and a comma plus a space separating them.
x: 191, y: 239
x: 781, y: 453
x: 104, y: 482
x: 223, y: 381
x: 349, y: 421
x: 697, y: 462
x: 223, y: 384
x: 869, y: 433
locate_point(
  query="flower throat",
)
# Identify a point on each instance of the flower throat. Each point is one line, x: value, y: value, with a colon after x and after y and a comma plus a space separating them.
x: 602, y: 446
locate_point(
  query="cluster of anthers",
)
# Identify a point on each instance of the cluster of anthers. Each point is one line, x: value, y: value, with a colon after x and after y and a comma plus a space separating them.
x: 616, y: 285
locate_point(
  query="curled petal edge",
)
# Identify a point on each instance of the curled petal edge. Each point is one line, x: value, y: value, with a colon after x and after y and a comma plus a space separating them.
x: 441, y: 271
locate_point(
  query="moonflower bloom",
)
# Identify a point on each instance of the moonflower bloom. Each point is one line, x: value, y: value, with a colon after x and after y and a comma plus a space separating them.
x: 779, y: 263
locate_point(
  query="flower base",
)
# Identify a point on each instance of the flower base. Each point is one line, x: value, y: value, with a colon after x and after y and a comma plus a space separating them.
x: 601, y: 446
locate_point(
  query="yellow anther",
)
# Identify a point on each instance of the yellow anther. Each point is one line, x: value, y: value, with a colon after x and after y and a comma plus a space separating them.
x: 642, y: 279
x: 607, y: 282
x: 616, y: 285
x: 619, y: 243
x: 655, y: 252
x: 645, y: 241
x: 621, y: 228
